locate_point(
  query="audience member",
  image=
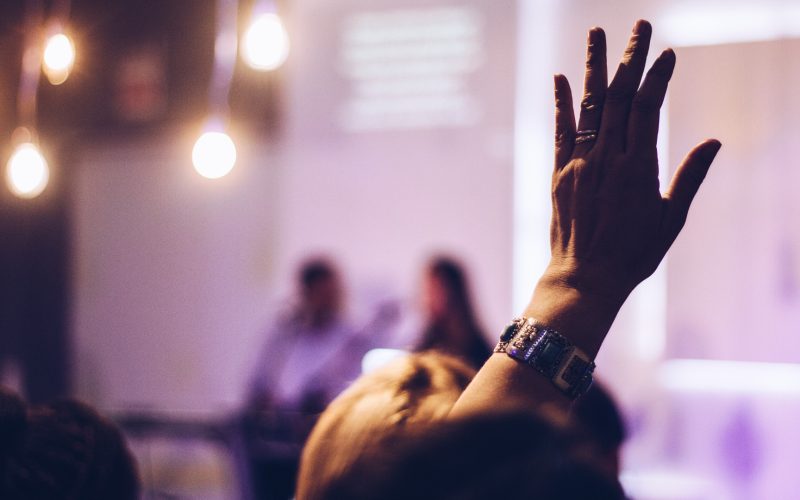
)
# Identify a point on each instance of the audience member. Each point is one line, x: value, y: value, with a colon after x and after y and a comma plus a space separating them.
x: 598, y: 417
x: 65, y: 450
x: 451, y: 323
x: 313, y: 329
x: 509, y: 455
x: 312, y: 353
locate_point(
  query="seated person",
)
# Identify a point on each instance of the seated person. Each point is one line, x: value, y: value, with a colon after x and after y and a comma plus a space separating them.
x: 65, y: 450
x: 506, y: 454
x: 308, y: 358
x: 387, y: 436
x: 312, y: 353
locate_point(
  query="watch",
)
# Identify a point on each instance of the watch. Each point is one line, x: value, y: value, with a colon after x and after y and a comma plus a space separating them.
x: 549, y: 353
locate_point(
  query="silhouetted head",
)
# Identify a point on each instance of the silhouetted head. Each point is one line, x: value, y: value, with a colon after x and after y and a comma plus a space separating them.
x: 65, y: 450
x: 509, y: 454
x: 320, y: 291
x: 597, y: 415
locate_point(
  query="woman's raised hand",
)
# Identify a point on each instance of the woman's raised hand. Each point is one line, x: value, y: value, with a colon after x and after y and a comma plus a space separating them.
x: 611, y: 226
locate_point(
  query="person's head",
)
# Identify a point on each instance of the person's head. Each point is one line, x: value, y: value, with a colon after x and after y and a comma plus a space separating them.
x: 508, y: 454
x: 597, y: 415
x: 320, y: 290
x: 65, y: 450
x: 446, y: 293
x: 380, y: 405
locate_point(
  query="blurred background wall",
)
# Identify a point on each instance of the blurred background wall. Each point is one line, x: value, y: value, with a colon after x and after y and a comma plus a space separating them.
x: 181, y: 274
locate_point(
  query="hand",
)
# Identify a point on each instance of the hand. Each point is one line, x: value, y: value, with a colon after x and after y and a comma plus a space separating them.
x: 611, y: 226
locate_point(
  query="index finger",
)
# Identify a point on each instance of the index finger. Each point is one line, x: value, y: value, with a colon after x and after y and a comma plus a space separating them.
x: 565, y: 121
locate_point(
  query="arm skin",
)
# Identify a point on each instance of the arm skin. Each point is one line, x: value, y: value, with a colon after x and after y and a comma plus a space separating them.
x: 611, y: 226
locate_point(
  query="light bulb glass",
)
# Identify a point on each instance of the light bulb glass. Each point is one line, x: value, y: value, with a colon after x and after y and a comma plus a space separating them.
x: 27, y: 172
x: 58, y: 58
x: 214, y: 155
x: 265, y: 44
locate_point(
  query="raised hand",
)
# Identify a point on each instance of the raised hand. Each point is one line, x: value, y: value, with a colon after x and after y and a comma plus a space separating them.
x: 611, y: 226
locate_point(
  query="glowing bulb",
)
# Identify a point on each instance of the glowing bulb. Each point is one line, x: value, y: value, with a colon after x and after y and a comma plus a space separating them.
x: 214, y: 155
x: 27, y: 172
x: 265, y: 44
x: 58, y: 58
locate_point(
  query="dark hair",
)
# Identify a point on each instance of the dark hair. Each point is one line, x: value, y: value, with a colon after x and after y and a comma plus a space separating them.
x: 598, y: 415
x: 65, y: 450
x: 450, y: 273
x: 513, y: 455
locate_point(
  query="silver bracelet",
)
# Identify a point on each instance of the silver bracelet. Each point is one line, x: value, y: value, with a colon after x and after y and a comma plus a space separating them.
x: 549, y: 353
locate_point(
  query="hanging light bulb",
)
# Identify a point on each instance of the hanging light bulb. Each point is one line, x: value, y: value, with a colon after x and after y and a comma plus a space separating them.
x: 27, y: 172
x: 58, y: 58
x: 214, y: 152
x: 265, y: 44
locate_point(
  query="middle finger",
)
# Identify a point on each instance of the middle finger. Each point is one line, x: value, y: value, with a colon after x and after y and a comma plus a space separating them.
x: 620, y: 93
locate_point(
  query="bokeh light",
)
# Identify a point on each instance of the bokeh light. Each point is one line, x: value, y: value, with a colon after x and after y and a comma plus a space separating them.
x: 27, y: 172
x: 214, y: 155
x: 265, y: 44
x: 58, y: 58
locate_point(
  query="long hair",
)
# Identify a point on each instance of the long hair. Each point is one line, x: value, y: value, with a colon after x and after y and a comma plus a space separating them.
x: 451, y: 275
x: 459, y: 316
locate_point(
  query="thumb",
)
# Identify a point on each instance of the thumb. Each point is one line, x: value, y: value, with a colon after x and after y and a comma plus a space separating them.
x: 687, y: 180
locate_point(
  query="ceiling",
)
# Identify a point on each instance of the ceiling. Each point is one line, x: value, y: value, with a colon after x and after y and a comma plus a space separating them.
x: 141, y: 64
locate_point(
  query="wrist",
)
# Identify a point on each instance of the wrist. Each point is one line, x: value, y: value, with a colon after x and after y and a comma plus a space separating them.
x: 583, y: 314
x: 551, y: 354
x: 600, y: 283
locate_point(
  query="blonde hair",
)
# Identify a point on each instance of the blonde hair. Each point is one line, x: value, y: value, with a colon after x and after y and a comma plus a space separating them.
x: 416, y: 389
